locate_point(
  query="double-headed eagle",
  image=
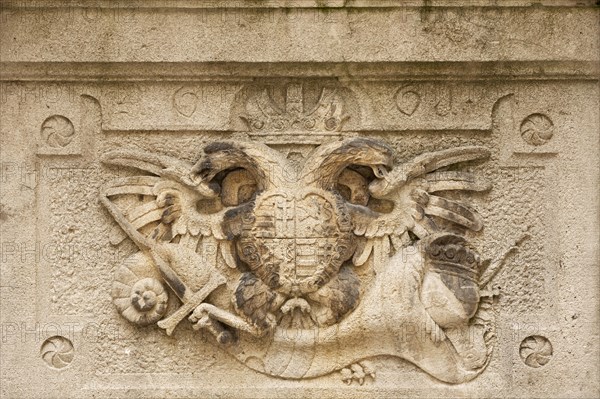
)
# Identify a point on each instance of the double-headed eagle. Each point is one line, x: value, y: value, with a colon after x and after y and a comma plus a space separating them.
x: 289, y: 245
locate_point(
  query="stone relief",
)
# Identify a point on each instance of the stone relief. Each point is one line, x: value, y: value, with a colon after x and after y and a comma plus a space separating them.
x: 314, y: 269
x: 537, y: 129
x: 264, y: 114
x: 57, y: 352
x: 57, y: 131
x: 270, y: 199
x: 536, y: 351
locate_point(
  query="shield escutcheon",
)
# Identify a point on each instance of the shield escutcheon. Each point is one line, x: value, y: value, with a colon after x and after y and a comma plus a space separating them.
x: 299, y: 236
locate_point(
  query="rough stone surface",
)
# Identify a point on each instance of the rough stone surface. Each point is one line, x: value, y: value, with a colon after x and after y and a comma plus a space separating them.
x: 299, y: 198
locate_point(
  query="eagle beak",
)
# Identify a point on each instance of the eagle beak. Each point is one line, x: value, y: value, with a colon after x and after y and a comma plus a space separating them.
x: 208, y: 190
x: 380, y: 171
x: 382, y: 184
x: 196, y: 171
x: 194, y: 179
x: 200, y: 172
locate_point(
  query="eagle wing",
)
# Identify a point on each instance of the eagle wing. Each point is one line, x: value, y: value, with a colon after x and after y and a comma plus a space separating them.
x: 417, y: 190
x: 167, y: 203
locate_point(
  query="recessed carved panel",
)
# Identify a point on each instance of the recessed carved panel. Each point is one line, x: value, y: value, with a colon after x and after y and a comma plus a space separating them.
x: 338, y: 199
x: 343, y: 243
x: 293, y: 247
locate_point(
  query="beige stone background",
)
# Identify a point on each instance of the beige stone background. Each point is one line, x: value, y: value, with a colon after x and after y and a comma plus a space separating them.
x: 168, y: 76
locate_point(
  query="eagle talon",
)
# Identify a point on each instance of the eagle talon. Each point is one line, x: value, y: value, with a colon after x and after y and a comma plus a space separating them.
x: 198, y: 314
x: 204, y: 322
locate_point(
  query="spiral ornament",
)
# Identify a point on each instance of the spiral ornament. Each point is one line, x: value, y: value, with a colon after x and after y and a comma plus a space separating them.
x: 137, y: 292
x: 58, y: 131
x: 537, y: 129
x: 535, y: 351
x: 57, y: 352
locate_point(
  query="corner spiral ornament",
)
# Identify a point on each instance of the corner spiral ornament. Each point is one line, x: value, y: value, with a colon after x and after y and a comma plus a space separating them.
x: 57, y: 352
x: 536, y: 351
x: 138, y: 295
x: 537, y: 129
x: 57, y: 131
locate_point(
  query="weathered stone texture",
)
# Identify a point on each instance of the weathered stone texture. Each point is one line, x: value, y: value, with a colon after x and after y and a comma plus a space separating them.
x: 340, y: 198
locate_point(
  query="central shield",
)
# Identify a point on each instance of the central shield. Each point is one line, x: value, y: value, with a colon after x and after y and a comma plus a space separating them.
x: 299, y: 239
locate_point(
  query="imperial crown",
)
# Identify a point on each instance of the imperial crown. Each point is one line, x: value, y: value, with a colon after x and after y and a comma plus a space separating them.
x: 264, y: 115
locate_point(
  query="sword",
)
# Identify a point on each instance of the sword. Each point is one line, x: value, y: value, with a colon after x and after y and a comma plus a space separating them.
x: 189, y: 298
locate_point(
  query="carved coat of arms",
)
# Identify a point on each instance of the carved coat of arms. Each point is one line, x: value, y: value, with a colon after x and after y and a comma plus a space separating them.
x: 302, y: 270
